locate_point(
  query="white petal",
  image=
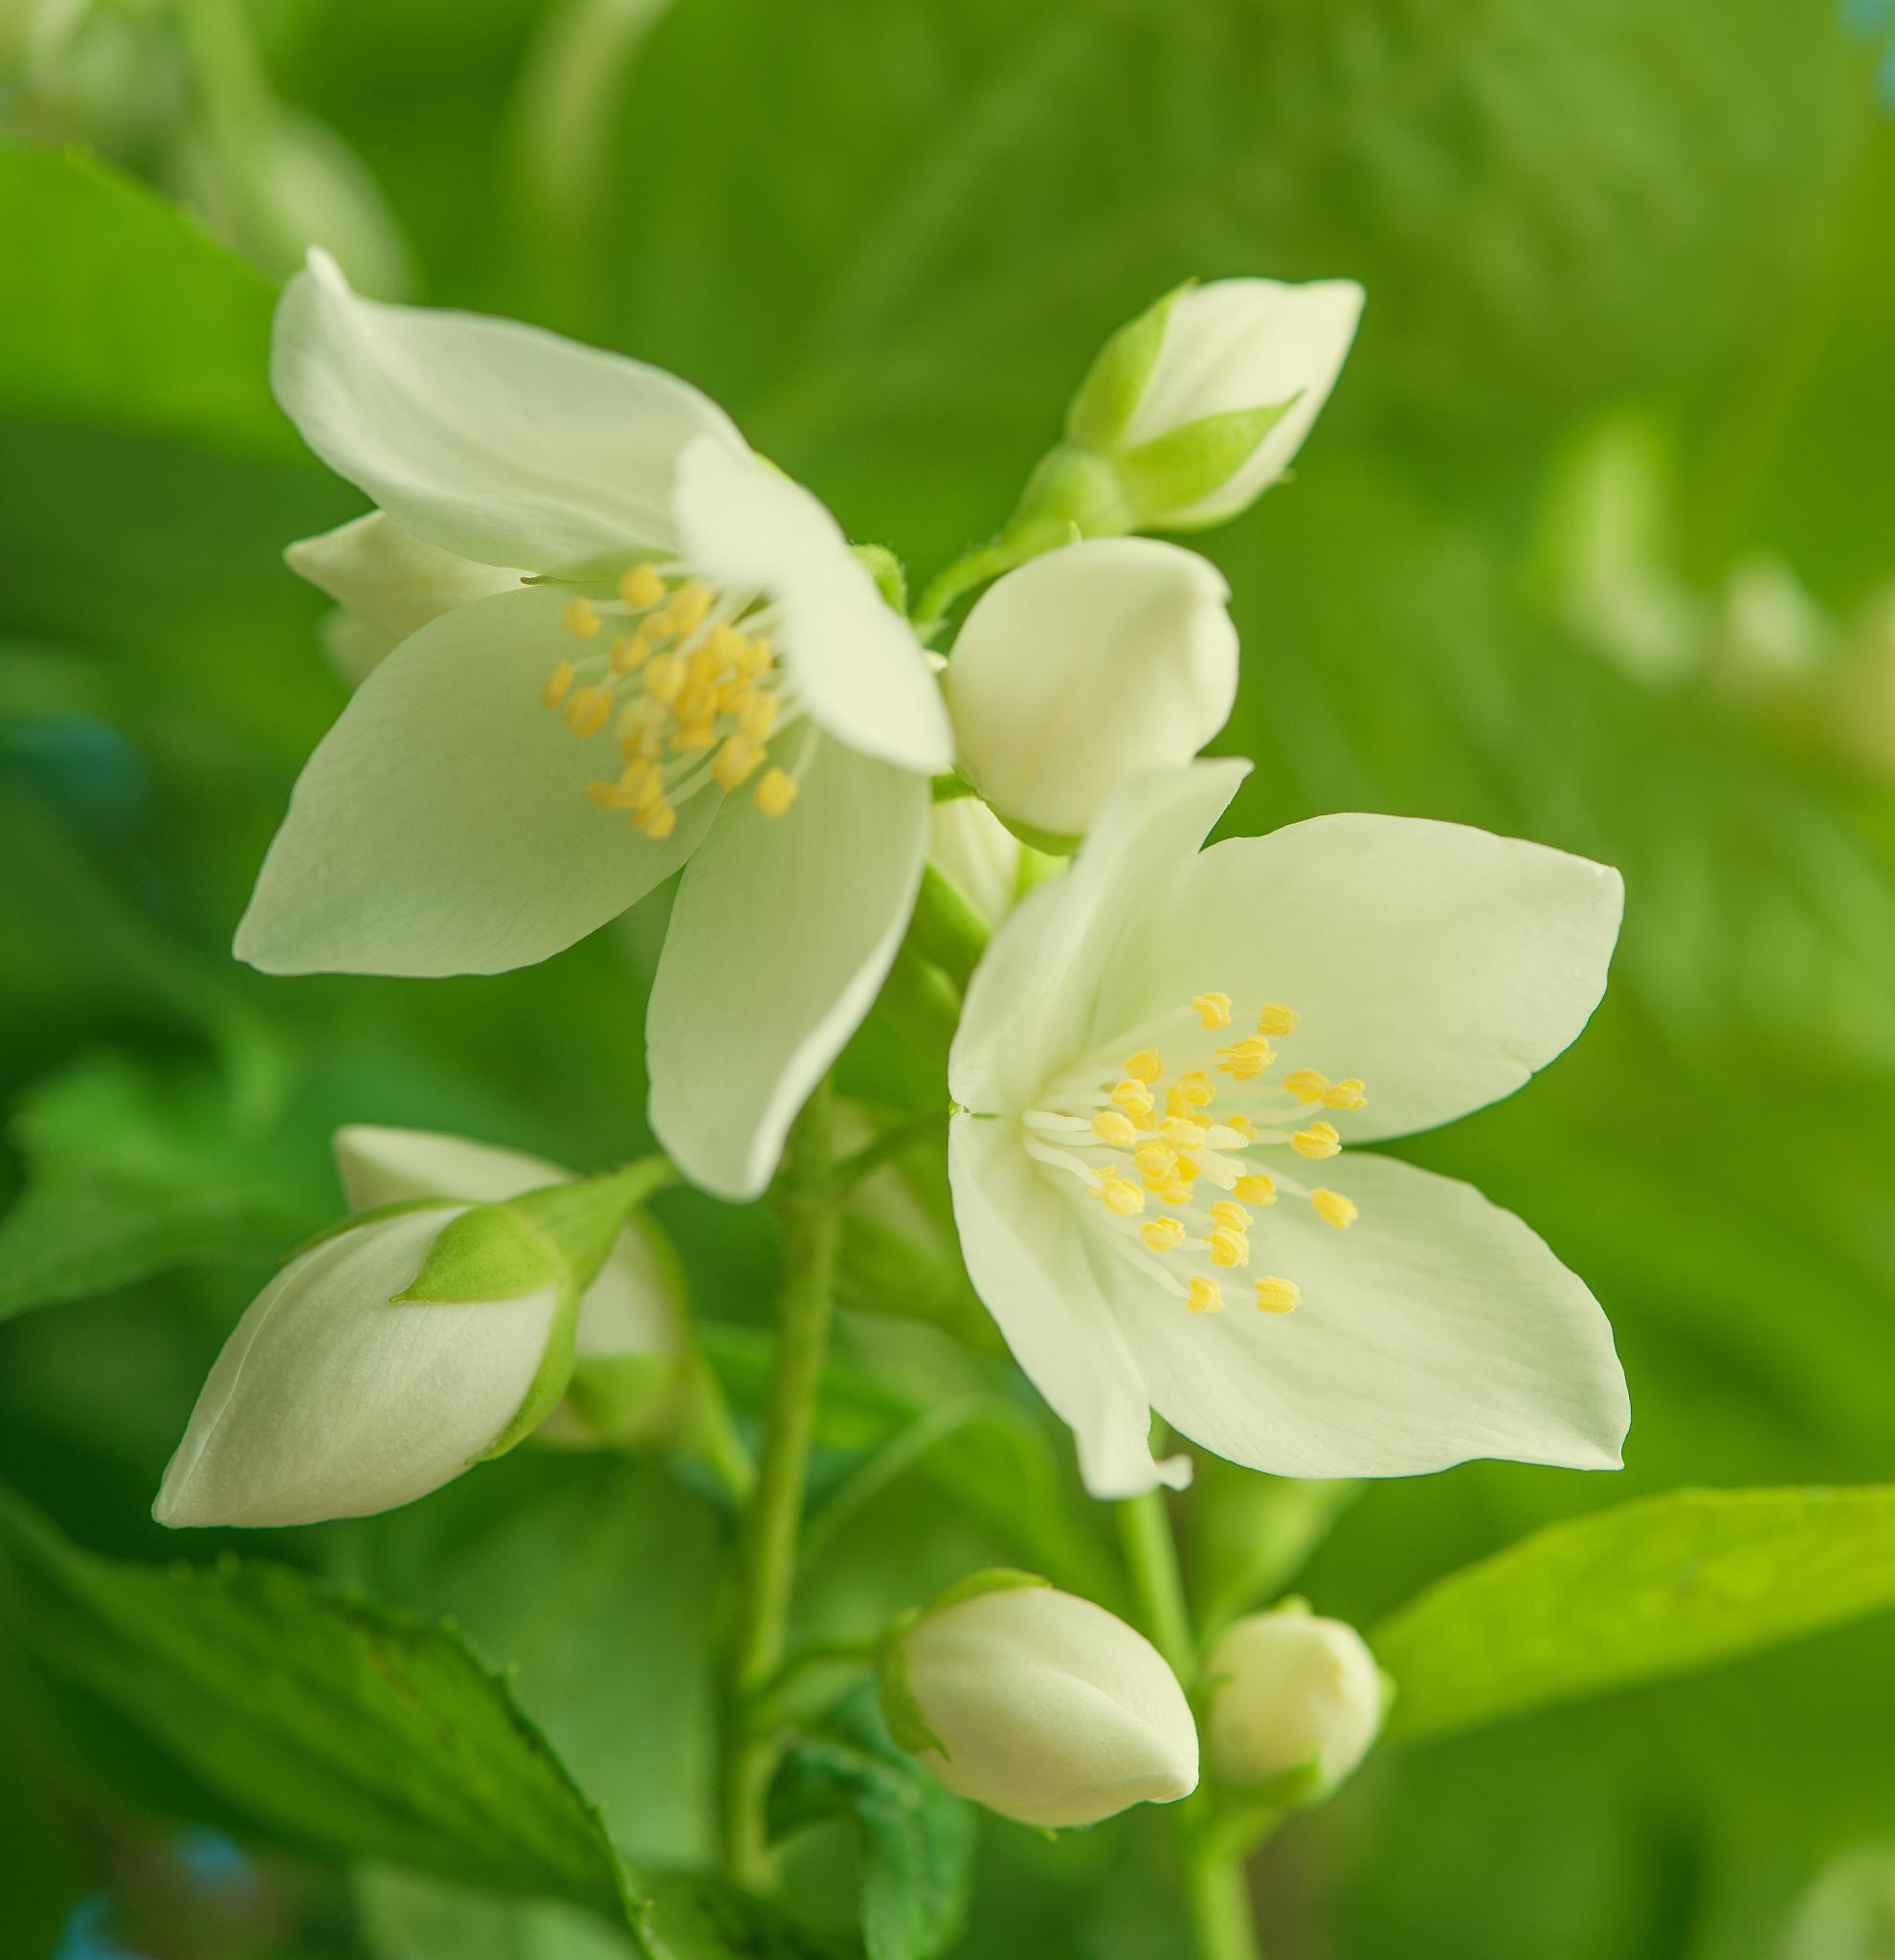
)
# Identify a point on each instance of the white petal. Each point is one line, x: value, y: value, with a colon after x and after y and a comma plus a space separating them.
x: 782, y: 934
x: 390, y: 579
x: 1441, y: 963
x: 329, y: 1401
x: 978, y: 854
x: 1436, y: 1328
x: 856, y: 665
x: 1064, y: 971
x: 497, y: 441
x: 352, y: 646
x: 379, y: 1165
x: 1086, y: 667
x: 441, y: 827
x: 1024, y: 1245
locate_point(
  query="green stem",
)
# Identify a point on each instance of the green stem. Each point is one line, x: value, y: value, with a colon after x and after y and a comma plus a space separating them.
x: 1152, y: 1559
x: 896, y: 1139
x: 946, y: 929
x: 767, y: 1562
x: 1223, y: 1926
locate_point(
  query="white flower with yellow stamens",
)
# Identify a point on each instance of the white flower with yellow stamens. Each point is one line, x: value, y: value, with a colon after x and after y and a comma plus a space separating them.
x: 1111, y: 1210
x: 691, y: 666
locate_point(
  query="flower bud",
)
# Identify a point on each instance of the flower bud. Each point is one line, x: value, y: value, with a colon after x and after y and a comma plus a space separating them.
x: 1198, y: 405
x: 979, y: 852
x: 1039, y: 1705
x: 1295, y: 1702
x: 1086, y: 668
x: 337, y: 1396
x: 628, y: 1344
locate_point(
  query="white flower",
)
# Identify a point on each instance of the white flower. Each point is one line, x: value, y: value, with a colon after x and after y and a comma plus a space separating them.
x: 1042, y: 1706
x: 333, y: 1399
x: 1290, y: 1695
x: 630, y: 1311
x: 1133, y: 1152
x: 703, y: 653
x: 1084, y: 668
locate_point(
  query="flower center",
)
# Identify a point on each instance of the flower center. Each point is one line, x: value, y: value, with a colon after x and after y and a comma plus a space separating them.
x: 1176, y: 1183
x: 690, y: 689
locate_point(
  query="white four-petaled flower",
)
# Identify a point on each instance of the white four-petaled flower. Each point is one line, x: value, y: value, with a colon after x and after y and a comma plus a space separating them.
x: 703, y: 674
x: 1159, y: 1058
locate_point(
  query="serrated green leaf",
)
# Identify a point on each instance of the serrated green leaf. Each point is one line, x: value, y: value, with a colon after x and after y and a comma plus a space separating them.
x: 1654, y: 1588
x: 328, y: 1723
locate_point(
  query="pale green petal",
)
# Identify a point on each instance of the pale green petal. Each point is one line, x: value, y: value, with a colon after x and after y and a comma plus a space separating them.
x: 497, y: 441
x: 441, y: 827
x: 783, y: 932
x: 1026, y: 1253
x: 854, y: 663
x: 1441, y: 965
x: 1061, y: 972
x: 390, y: 579
x: 1436, y: 1328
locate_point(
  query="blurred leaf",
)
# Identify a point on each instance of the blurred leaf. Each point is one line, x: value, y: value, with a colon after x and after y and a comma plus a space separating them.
x: 130, y: 1172
x: 407, y: 1917
x: 121, y: 311
x: 918, y: 1841
x: 332, y: 1725
x: 681, y: 1916
x: 1250, y: 1535
x: 1658, y: 1587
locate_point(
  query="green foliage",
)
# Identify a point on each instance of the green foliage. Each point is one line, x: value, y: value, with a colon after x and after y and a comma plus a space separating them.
x: 1648, y: 1589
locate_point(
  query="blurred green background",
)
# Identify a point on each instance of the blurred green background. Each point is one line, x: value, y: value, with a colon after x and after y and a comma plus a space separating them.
x: 1591, y: 545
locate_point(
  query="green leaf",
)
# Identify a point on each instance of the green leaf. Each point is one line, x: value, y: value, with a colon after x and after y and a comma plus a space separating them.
x: 1654, y: 1588
x: 138, y: 318
x: 917, y: 1839
x: 325, y: 1722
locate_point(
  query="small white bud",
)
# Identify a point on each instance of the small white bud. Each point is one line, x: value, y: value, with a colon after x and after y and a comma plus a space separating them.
x: 1291, y: 1695
x: 1084, y: 668
x: 631, y: 1312
x: 389, y: 583
x: 333, y: 1399
x: 979, y: 852
x: 1042, y: 1706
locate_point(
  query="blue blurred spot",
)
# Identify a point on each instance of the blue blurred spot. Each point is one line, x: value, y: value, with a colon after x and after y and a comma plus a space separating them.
x: 91, y: 772
x: 1868, y: 19
x: 215, y: 1863
x: 85, y: 1937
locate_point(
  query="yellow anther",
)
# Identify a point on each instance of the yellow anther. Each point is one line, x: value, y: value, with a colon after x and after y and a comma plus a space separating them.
x: 665, y: 678
x: 1114, y: 1126
x: 1174, y: 1190
x: 1279, y: 1295
x: 557, y: 683
x: 1277, y: 1019
x: 1229, y: 1248
x: 606, y: 796
x: 696, y: 704
x: 686, y: 613
x: 757, y: 716
x: 756, y: 656
x: 1243, y: 1126
x: 694, y: 739
x: 1246, y: 1059
x: 628, y: 655
x: 700, y: 668
x: 1319, y: 1140
x: 1213, y: 1010
x: 1306, y: 1085
x: 1333, y: 1208
x: 775, y: 793
x: 1161, y: 1235
x: 736, y: 761
x: 1134, y: 1098
x: 1121, y: 1195
x: 580, y: 620
x: 641, y: 586
x: 1203, y: 1297
x: 1181, y: 1132
x: 1257, y: 1188
x: 1187, y: 1171
x: 1145, y: 1066
x: 1351, y: 1093
x: 637, y: 744
x: 1231, y: 1216
x: 1197, y: 1088
x: 733, y: 696
x: 1153, y: 1160
x: 657, y: 819
x: 586, y: 712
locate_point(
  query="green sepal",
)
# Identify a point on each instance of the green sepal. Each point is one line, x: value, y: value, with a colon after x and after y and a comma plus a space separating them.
x: 1103, y: 407
x: 1182, y: 467
x: 889, y: 573
x: 1073, y: 493
x: 951, y: 788
x: 1048, y: 843
x: 489, y: 1251
x: 900, y: 1709
x: 550, y: 1380
x: 977, y: 1585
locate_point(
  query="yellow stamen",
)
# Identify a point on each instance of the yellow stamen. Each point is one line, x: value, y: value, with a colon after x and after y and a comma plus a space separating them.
x: 1145, y: 1066
x: 1351, y: 1093
x: 658, y: 820
x: 1231, y: 1216
x: 586, y: 712
x: 606, y: 796
x: 1278, y: 1019
x: 557, y: 683
x: 1257, y: 1188
x: 1174, y: 1190
x: 580, y: 620
x: 1134, y: 1098
x: 1333, y: 1208
x: 628, y: 655
x: 686, y: 613
x: 1203, y: 1297
x: 1306, y: 1085
x: 1113, y: 1126
x: 1161, y: 1235
x: 1181, y: 1131
x: 736, y: 761
x: 1119, y: 1195
x: 1187, y: 1171
x: 1154, y: 1160
x: 697, y: 705
x: 641, y: 586
x: 757, y: 716
x: 1213, y: 1010
x: 1243, y: 1126
x: 756, y: 658
x: 1246, y: 1059
x: 1279, y: 1295
x: 776, y: 792
x: 1229, y: 1248
x: 1197, y: 1088
x: 1319, y: 1140
x: 665, y: 678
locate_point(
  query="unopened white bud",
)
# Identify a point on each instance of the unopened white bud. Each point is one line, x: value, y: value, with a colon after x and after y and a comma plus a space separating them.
x: 333, y: 1399
x: 979, y: 852
x: 1086, y: 668
x: 1040, y: 1706
x: 1295, y: 1702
